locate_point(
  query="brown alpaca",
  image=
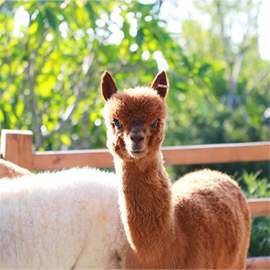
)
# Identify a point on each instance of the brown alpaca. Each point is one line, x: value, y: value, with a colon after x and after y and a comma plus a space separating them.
x: 11, y: 170
x: 202, y: 221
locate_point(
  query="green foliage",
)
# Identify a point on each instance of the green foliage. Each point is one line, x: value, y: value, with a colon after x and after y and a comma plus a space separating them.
x: 259, y: 237
x: 258, y: 188
x: 221, y: 126
x: 50, y: 70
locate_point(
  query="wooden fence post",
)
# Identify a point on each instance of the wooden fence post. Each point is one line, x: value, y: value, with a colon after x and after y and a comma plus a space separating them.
x: 16, y: 146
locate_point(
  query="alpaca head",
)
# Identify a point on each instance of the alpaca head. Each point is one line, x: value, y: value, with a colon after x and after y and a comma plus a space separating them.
x: 135, y: 118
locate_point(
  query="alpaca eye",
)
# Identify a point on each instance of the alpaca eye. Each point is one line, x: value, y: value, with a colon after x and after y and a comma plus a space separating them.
x: 117, y: 123
x: 154, y: 124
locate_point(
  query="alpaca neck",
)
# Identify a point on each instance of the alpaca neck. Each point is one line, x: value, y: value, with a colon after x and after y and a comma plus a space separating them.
x: 146, y: 205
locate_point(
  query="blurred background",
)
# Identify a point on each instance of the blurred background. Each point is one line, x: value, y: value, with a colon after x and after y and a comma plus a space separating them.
x: 216, y: 55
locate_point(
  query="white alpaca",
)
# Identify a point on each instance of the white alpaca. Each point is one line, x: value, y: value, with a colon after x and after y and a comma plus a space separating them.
x: 68, y: 219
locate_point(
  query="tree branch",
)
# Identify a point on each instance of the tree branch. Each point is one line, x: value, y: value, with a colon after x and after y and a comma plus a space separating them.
x: 68, y: 113
x: 32, y: 81
x: 239, y: 58
x: 262, y: 74
x: 44, y: 59
x: 46, y: 31
x: 226, y: 44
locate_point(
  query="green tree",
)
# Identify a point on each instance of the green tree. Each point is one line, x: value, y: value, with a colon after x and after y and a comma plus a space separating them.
x: 209, y: 109
x: 51, y: 68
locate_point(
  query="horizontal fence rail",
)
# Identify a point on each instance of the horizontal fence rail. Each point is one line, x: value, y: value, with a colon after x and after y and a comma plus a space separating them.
x: 16, y: 146
x: 52, y: 160
x: 258, y: 263
x: 259, y: 207
x: 177, y: 155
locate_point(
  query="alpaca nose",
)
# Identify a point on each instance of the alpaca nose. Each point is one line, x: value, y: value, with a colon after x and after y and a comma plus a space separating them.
x: 137, y: 137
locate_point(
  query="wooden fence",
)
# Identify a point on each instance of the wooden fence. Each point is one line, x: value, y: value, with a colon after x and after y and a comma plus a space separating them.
x: 16, y: 146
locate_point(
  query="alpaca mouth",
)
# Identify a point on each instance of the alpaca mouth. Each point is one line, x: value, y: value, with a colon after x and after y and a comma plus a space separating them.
x: 136, y: 153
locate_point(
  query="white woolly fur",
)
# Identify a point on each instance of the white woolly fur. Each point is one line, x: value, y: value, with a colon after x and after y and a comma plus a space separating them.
x: 62, y: 220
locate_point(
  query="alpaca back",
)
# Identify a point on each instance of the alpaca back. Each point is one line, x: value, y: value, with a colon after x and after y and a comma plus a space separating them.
x: 213, y: 214
x: 68, y: 219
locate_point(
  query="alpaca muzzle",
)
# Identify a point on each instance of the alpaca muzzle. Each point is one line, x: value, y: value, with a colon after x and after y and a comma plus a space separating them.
x: 137, y: 138
x: 137, y: 141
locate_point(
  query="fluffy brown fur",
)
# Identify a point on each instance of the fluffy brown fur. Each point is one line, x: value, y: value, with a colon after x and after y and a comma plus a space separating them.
x: 201, y: 222
x: 11, y: 170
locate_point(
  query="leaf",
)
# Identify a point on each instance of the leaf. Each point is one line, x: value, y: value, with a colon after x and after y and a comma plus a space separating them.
x: 204, y: 68
x: 19, y: 108
x: 79, y: 3
x: 145, y: 8
x: 7, y: 107
x: 45, y: 87
x: 65, y: 139
x: 52, y: 20
x: 125, y: 29
x: 40, y: 30
x: 1, y: 116
x: 92, y: 15
x: 202, y: 104
x: 186, y: 62
x: 59, y: 2
x: 42, y: 2
x: 33, y: 28
x: 140, y: 37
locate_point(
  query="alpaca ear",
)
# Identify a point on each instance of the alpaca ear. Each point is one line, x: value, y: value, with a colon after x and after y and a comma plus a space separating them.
x: 107, y: 85
x: 161, y: 84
